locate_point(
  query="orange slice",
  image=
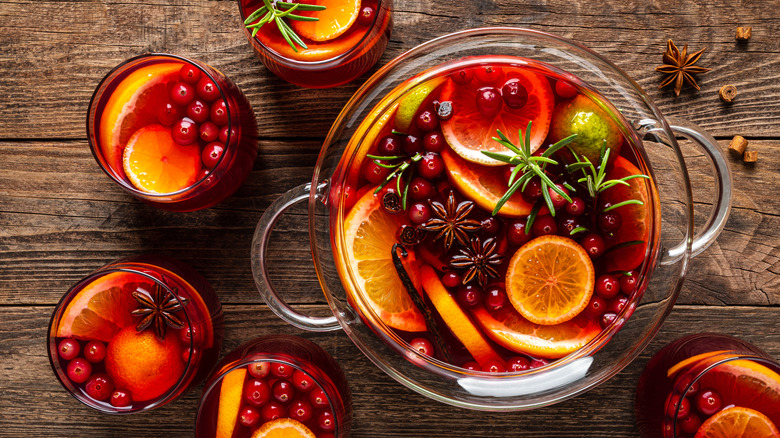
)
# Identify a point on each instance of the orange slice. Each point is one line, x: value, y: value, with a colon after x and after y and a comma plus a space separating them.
x: 510, y: 330
x: 100, y: 310
x: 369, y: 233
x: 674, y: 369
x: 337, y: 17
x: 132, y: 105
x: 469, y: 131
x: 738, y: 422
x: 457, y: 320
x: 155, y: 163
x: 747, y: 383
x: 230, y: 402
x: 483, y: 185
x: 283, y: 428
x: 550, y: 280
x: 636, y: 218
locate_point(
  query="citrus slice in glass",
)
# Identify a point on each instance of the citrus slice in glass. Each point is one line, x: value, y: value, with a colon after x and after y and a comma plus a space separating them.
x: 332, y: 22
x: 550, y: 280
x: 737, y: 421
x: 283, y: 428
x: 746, y: 383
x: 469, y: 131
x: 155, y: 163
x: 369, y: 234
x: 412, y: 101
x: 230, y: 402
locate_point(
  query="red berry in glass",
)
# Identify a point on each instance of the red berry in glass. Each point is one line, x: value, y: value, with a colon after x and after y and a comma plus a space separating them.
x: 189, y: 74
x: 366, y: 16
x: 423, y: 346
x: 518, y: 364
x: 95, y: 351
x: 168, y: 113
x: 211, y: 154
x: 68, y: 349
x: 182, y: 93
x: 426, y: 121
x: 198, y: 111
x: 257, y: 392
x: 412, y: 144
x: 489, y: 101
x: 99, y: 387
x: 219, y: 113
x: 79, y: 370
x: 514, y: 94
x: 283, y: 391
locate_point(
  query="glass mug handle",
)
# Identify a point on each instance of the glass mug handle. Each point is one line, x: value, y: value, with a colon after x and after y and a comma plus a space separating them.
x: 723, y: 194
x: 260, y: 268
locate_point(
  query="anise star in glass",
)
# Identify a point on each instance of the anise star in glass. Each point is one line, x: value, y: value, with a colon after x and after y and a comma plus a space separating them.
x: 451, y: 221
x: 478, y: 258
x: 679, y: 65
x: 158, y: 309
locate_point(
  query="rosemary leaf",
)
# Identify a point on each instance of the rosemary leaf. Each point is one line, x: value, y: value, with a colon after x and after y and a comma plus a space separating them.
x: 498, y: 156
x: 548, y: 201
x: 625, y: 245
x: 532, y: 217
x: 620, y: 204
x: 506, y: 196
x: 558, y: 145
x: 255, y: 15
x: 577, y: 230
x: 380, y: 157
x: 303, y: 6
x: 280, y: 25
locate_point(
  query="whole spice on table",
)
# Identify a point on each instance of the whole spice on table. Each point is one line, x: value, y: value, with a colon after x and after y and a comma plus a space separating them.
x: 750, y: 156
x: 744, y: 33
x: 679, y: 65
x: 738, y: 145
x: 727, y: 93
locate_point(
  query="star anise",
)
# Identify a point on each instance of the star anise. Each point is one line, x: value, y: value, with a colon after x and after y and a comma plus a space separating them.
x: 158, y: 309
x: 477, y: 258
x: 679, y: 66
x: 451, y: 222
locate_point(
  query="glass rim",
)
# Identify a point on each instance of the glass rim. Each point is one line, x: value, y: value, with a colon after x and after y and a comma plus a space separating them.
x: 91, y: 126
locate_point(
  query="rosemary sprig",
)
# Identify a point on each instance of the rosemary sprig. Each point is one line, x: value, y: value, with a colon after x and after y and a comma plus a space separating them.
x: 528, y: 166
x: 397, y: 173
x: 277, y: 11
x: 595, y: 178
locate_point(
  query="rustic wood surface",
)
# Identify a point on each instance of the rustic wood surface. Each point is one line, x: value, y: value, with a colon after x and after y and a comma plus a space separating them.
x: 60, y: 217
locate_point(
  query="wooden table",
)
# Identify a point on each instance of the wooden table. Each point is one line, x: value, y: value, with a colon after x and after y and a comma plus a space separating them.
x: 61, y: 217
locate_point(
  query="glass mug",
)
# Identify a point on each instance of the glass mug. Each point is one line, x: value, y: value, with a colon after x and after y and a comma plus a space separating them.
x: 670, y: 245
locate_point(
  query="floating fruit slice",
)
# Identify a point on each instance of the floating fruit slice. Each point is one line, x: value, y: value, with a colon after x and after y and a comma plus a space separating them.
x: 740, y: 422
x: 457, y: 320
x: 636, y: 219
x: 483, y: 185
x: 582, y: 116
x: 674, y: 369
x: 100, y: 310
x: 132, y: 105
x: 144, y: 365
x: 550, y: 280
x: 510, y: 330
x: 155, y: 163
x: 412, y: 101
x: 283, y: 428
x: 230, y: 402
x: 747, y: 383
x: 369, y: 234
x: 469, y: 131
x: 337, y: 17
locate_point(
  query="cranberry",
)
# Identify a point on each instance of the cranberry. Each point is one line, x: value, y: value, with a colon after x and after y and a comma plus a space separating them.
x: 489, y: 101
x: 419, y: 213
x: 519, y: 363
x: 693, y: 388
x: 628, y: 282
x: 189, y: 74
x: 495, y: 298
x: 431, y: 166
x: 607, y: 286
x: 208, y: 132
x: 420, y: 189
x: 412, y: 144
x: 68, y: 349
x: 515, y: 232
x: 450, y: 279
x: 609, y: 221
x: 618, y: 304
x: 168, y: 114
x: 490, y: 226
x: 187, y: 352
x: 494, y: 366
x: 185, y: 131
x: 374, y: 173
x: 544, y: 225
x: 99, y: 387
x: 318, y: 398
x: 515, y: 95
x: 281, y: 370
x: 325, y: 421
x: 565, y: 90
x: 197, y: 111
x: 79, y: 370
x: 95, y: 351
x: 257, y: 392
x: 182, y: 93
x: 427, y: 121
x: 272, y: 410
x: 469, y: 295
x: 219, y: 113
x: 120, y: 399
x: 576, y: 207
x: 596, y: 307
x: 489, y: 74
x: 223, y: 134
x: 300, y: 410
x: 558, y: 201
x: 607, y: 319
x: 389, y: 146
x: 211, y: 154
x: 283, y: 391
x: 434, y: 141
x: 672, y: 407
x: 423, y: 346
x: 302, y: 381
x: 259, y: 370
x: 463, y: 76
x: 708, y: 402
x: 690, y: 424
x: 568, y: 224
x: 249, y: 416
x: 471, y: 366
x: 190, y: 335
x: 366, y: 16
x: 533, y: 190
x: 593, y: 244
x: 538, y: 363
x: 207, y: 90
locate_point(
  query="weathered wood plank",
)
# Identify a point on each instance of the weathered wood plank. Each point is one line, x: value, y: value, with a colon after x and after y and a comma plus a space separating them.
x: 33, y: 400
x: 49, y: 73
